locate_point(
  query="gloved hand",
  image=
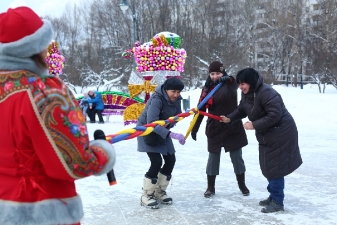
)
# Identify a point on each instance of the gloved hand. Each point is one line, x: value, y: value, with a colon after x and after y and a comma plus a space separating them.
x: 194, y: 135
x: 179, y: 137
x: 225, y: 79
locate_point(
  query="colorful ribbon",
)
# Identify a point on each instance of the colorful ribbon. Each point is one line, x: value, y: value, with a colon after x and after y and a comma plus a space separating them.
x: 146, y: 129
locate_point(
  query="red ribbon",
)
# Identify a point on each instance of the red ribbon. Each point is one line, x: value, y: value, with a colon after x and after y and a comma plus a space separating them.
x: 210, y: 115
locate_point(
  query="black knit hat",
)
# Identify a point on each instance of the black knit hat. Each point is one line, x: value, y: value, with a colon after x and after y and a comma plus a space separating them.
x: 216, y: 66
x: 173, y: 83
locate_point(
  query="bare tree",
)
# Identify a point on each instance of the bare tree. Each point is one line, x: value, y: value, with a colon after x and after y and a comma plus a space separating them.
x: 275, y: 37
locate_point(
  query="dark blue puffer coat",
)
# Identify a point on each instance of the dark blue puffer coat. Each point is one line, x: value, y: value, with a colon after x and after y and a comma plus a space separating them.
x: 275, y: 130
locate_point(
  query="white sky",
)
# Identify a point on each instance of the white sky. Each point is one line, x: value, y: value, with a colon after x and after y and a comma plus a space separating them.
x: 53, y: 8
x: 310, y: 191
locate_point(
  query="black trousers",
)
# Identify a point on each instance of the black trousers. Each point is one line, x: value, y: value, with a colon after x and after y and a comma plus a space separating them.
x: 99, y: 114
x: 91, y: 113
x: 156, y: 162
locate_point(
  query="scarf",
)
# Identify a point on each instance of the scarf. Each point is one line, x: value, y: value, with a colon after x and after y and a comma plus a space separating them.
x: 209, y: 86
x: 11, y: 63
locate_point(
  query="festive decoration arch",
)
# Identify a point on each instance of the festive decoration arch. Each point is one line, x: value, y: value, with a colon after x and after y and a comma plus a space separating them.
x: 156, y: 60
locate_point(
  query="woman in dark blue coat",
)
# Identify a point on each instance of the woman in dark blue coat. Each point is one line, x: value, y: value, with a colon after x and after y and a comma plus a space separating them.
x: 275, y: 130
x: 164, y: 103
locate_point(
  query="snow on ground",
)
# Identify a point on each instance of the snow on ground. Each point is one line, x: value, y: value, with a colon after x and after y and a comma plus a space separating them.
x: 310, y: 192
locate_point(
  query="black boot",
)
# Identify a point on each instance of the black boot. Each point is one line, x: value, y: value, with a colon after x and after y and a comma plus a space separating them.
x: 241, y: 182
x: 265, y: 202
x: 210, y: 191
x: 273, y: 206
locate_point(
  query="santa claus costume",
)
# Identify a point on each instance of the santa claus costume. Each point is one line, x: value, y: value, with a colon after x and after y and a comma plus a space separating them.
x: 44, y: 145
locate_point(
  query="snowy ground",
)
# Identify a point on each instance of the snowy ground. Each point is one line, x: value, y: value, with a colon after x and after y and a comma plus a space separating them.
x: 310, y: 192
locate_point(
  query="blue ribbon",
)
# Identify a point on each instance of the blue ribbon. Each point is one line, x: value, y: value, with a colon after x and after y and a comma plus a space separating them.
x: 202, y: 103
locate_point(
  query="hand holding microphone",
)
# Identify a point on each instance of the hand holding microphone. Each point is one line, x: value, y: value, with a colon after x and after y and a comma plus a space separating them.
x: 99, y: 135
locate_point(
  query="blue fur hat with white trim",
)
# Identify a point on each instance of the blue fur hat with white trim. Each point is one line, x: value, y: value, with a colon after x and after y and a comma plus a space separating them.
x: 23, y: 33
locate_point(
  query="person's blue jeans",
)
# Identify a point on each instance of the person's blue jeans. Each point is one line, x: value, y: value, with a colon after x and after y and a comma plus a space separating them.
x: 275, y: 189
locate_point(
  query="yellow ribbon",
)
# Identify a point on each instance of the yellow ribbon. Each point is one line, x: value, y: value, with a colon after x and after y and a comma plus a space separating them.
x: 136, y: 89
x: 194, y: 120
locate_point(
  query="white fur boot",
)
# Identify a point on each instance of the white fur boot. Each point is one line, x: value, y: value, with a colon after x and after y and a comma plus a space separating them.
x: 148, y: 199
x: 160, y: 193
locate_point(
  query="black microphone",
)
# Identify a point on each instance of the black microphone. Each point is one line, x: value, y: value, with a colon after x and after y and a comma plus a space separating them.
x: 99, y: 135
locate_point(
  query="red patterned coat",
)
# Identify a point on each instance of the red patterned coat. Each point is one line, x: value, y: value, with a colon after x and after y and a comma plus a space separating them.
x: 44, y: 148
